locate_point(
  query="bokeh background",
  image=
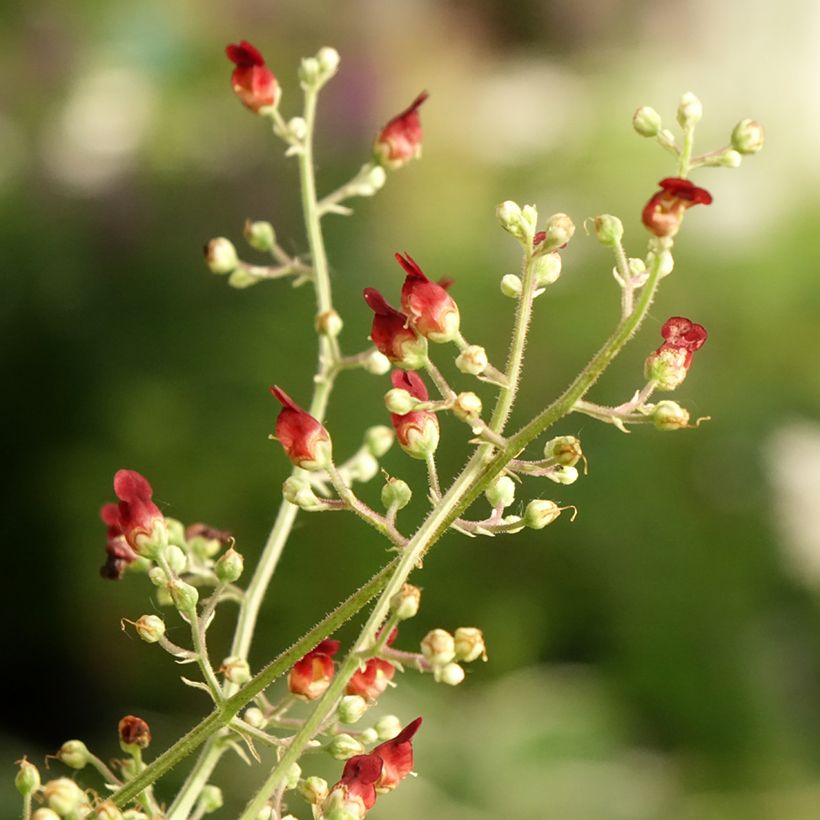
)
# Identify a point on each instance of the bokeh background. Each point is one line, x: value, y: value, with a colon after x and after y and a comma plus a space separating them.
x: 659, y: 657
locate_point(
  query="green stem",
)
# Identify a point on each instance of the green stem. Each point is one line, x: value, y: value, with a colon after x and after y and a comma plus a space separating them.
x: 686, y: 151
x: 197, y: 779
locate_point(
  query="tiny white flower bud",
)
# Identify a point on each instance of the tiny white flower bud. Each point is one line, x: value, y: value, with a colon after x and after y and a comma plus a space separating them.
x: 64, y: 796
x: 637, y: 271
x: 157, y: 576
x: 368, y: 736
x: 547, y: 269
x: 135, y: 814
x: 343, y: 746
x: 646, y: 121
x: 292, y: 776
x: 438, y: 646
x: 472, y: 360
x: 309, y: 71
x: 377, y: 363
x: 74, y: 753
x: 748, y: 137
x: 229, y: 566
x: 314, y: 789
x: 176, y: 558
x: 511, y: 286
x: 184, y: 596
x: 255, y: 717
x: 669, y: 415
x: 378, y: 439
x: 45, y: 814
x: 451, y: 674
x: 529, y: 214
x: 236, y: 670
x: 220, y: 254
x: 210, y: 799
x: 265, y: 813
x: 467, y: 407
x: 405, y: 603
x: 540, y: 512
x: 563, y: 475
x: 501, y: 492
x: 399, y: 401
x: 363, y: 467
x: 387, y: 727
x: 351, y: 708
x: 559, y: 230
x: 299, y: 492
x: 370, y: 180
x: 469, y: 643
x: 730, y: 159
x: 565, y: 450
x: 260, y: 235
x: 396, y: 491
x: 508, y: 214
x: 297, y: 128
x: 328, y: 59
x: 329, y: 324
x: 690, y: 110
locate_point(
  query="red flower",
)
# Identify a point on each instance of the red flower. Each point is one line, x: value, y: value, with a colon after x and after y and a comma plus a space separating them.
x: 682, y: 333
x: 310, y: 676
x: 431, y: 310
x: 392, y: 335
x: 357, y: 783
x: 663, y: 213
x: 134, y: 731
x: 304, y: 439
x: 400, y: 140
x: 371, y: 681
x: 119, y: 553
x: 397, y: 757
x: 253, y: 82
x: 669, y: 364
x: 417, y: 431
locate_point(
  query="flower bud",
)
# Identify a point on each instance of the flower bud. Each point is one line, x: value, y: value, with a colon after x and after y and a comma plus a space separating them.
x: 609, y: 230
x: 387, y: 727
x: 303, y: 438
x: 292, y: 776
x: 540, y: 512
x: 236, y: 670
x: 563, y: 474
x: 405, y: 603
x: 134, y: 734
x: 328, y: 59
x: 396, y: 492
x: 472, y: 360
x: 638, y: 274
x: 253, y: 82
x: 343, y: 746
x: 748, y: 137
x: 46, y: 814
x: 469, y: 644
x: 297, y: 128
x: 378, y: 439
x: 176, y: 532
x: 184, y: 596
x: 646, y: 121
x: 368, y: 736
x: 511, y: 286
x: 351, y: 708
x: 399, y: 401
x: 451, y: 674
x: 229, y: 566
x: 329, y: 324
x: 205, y: 541
x: 558, y: 231
x: 513, y: 221
x: 377, y: 363
x: 107, y: 811
x: 265, y: 813
x: 260, y: 235
x: 430, y: 309
x: 467, y: 407
x: 438, y: 646
x: 135, y: 814
x: 690, y: 110
x: 210, y: 799
x: 501, y: 492
x: 242, y: 278
x: 362, y: 467
x: 313, y: 789
x: 255, y: 717
x: 74, y: 753
x: 669, y: 415
x: 566, y: 450
x: 729, y: 158
x: 27, y: 779
x: 220, y: 255
x: 547, y: 269
x: 299, y: 492
x: 176, y: 558
x: 64, y: 796
x: 370, y: 179
x: 668, y: 367
x: 157, y: 576
x: 309, y: 71
x: 399, y: 141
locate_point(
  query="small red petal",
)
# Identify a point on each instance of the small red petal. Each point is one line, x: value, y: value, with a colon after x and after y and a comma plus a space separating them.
x: 410, y: 266
x: 326, y: 647
x: 244, y: 55
x: 285, y: 400
x: 131, y: 486
x: 411, y: 382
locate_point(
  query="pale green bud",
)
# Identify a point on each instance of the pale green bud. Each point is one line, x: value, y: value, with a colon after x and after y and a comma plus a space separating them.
x: 309, y: 71
x: 451, y: 674
x: 220, y: 255
x: 242, y: 278
x: 609, y: 230
x: 339, y: 807
x: 184, y: 596
x: 667, y: 368
x: 157, y: 576
x: 396, y: 492
x: 511, y: 286
x: 64, y: 796
x: 176, y: 532
x: 529, y: 215
x: 547, y: 269
x: 107, y: 811
x: 405, y: 603
x: 646, y: 121
x: 387, y: 727
x: 313, y: 789
x: 467, y: 407
x: 378, y: 439
x: 730, y: 158
x: 27, y: 779
x: 299, y: 492
x: 438, y: 646
x: 472, y: 360
x: 229, y: 566
x: 363, y: 467
x: 343, y: 746
x: 399, y: 401
x: 501, y: 492
x: 292, y: 776
x: 351, y: 708
x: 297, y: 128
x: 45, y: 814
x: 690, y: 110
x: 748, y: 137
x: 329, y: 324
x: 368, y: 736
x: 669, y: 415
x: 176, y: 559
x: 236, y: 670
x: 210, y: 799
x: 540, y: 512
x: 328, y: 59
x: 370, y: 180
x: 559, y: 230
x: 260, y: 235
x: 255, y: 717
x: 469, y: 643
x: 265, y: 813
x: 135, y: 814
x: 74, y: 753
x: 563, y: 475
x: 377, y: 363
x: 638, y: 274
x: 565, y: 450
x: 513, y: 221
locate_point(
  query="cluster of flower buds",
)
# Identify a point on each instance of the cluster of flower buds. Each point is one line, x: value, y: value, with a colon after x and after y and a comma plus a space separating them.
x: 669, y: 364
x: 445, y: 652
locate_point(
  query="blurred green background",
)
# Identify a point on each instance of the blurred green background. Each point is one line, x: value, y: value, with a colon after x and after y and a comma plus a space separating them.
x: 658, y: 658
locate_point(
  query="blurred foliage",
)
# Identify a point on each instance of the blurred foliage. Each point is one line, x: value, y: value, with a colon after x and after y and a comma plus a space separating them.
x: 695, y: 689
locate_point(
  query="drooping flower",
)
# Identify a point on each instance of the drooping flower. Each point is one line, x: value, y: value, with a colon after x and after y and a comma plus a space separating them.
x: 371, y: 681
x: 663, y: 213
x: 304, y: 440
x: 392, y: 334
x: 430, y: 309
x: 669, y: 364
x: 253, y: 82
x: 397, y: 757
x: 310, y: 676
x: 400, y: 140
x: 355, y: 793
x: 417, y: 431
x: 118, y: 552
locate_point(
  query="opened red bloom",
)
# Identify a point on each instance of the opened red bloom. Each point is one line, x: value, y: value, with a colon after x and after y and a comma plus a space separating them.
x: 663, y: 213
x: 371, y: 681
x: 118, y: 552
x: 253, y: 82
x: 431, y: 310
x: 400, y: 140
x: 392, y: 335
x: 310, y: 676
x: 418, y: 431
x: 669, y: 364
x: 684, y: 334
x: 304, y: 439
x: 397, y: 757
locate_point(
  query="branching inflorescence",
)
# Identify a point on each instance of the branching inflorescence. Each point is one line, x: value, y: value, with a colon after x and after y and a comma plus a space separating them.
x: 197, y: 568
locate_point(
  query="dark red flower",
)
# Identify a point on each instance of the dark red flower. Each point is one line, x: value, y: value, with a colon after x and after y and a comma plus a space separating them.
x: 253, y: 82
x: 669, y: 364
x: 119, y: 553
x: 417, y: 431
x: 131, y: 522
x: 310, y: 676
x: 397, y: 757
x: 371, y: 681
x: 392, y: 334
x: 431, y: 310
x: 663, y: 213
x: 304, y: 439
x: 358, y: 782
x: 400, y: 140
x: 134, y: 731
x: 680, y: 332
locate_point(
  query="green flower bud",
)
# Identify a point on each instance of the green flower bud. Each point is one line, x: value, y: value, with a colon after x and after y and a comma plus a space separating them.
x: 566, y: 450
x: 540, y: 512
x: 157, y: 576
x: 557, y: 232
x: 242, y: 278
x: 329, y: 324
x: 328, y: 59
x: 514, y: 221
x: 729, y: 158
x: 547, y: 269
x: 292, y: 776
x: 184, y: 596
x: 314, y: 790
x: 646, y: 121
x: 299, y: 492
x: 469, y: 643
x: 396, y: 492
x: 451, y: 674
x: 399, y: 401
x: 265, y: 813
x: 563, y: 474
x: 309, y: 71
x: 501, y: 492
x: 135, y: 814
x: 472, y: 360
x: 467, y: 407
x: 351, y: 708
x: 229, y: 566
x: 255, y: 717
x: 377, y: 363
x: 297, y: 128
x: 387, y: 727
x: 609, y: 230
x: 176, y: 532
x: 220, y: 254
x: 378, y: 440
x: 27, y: 779
x: 511, y: 286
x: 405, y: 603
x: 45, y: 814
x: 260, y: 235
x: 176, y: 558
x: 368, y: 736
x: 64, y: 796
x: 74, y: 753
x: 236, y: 670
x: 669, y: 415
x: 748, y: 137
x: 666, y: 367
x: 210, y: 799
x: 343, y: 746
x: 690, y: 110
x: 107, y: 811
x: 439, y: 647
x: 363, y: 467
